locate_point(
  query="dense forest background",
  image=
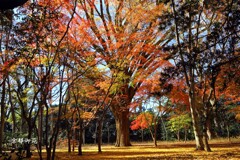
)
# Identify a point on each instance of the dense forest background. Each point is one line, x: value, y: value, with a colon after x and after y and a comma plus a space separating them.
x: 115, y: 71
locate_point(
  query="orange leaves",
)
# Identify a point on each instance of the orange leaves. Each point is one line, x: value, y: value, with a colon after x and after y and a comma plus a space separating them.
x: 227, y: 84
x: 178, y: 93
x: 87, y: 115
x: 142, y: 121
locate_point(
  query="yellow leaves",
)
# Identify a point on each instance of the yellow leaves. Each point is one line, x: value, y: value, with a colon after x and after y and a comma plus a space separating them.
x: 238, y: 117
x: 87, y: 115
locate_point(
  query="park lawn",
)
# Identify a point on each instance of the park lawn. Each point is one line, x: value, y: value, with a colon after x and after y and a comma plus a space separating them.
x: 221, y: 149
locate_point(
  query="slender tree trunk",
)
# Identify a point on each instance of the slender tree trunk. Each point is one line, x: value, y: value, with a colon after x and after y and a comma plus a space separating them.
x: 49, y: 153
x: 108, y: 134
x: 28, y: 145
x: 83, y: 136
x: 215, y: 120
x: 80, y: 141
x: 178, y: 135
x: 2, y: 115
x: 185, y: 134
x: 73, y: 135
x: 40, y: 128
x: 155, y: 131
x: 69, y: 140
x: 122, y: 127
x: 99, y: 135
x: 228, y: 133
x: 166, y: 133
x: 95, y: 134
x: 209, y: 128
x: 12, y: 107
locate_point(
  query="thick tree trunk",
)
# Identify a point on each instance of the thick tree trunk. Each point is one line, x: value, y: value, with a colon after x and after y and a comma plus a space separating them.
x: 122, y: 127
x: 196, y: 124
x: 206, y: 144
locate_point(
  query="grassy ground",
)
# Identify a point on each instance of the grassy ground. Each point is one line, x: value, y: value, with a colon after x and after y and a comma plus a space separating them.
x: 221, y: 149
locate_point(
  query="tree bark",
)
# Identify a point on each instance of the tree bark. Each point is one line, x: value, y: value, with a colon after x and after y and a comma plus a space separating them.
x: 122, y: 127
x: 178, y: 135
x: 196, y: 124
x: 155, y: 131
x: 2, y: 115
x: 185, y: 134
x: 80, y: 141
x: 209, y: 128
x: 69, y: 140
x: 99, y: 135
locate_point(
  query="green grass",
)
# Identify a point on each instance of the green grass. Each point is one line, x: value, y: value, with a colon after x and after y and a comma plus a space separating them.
x: 221, y: 149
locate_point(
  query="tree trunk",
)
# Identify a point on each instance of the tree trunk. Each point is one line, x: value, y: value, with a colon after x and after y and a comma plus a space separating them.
x: 122, y: 127
x: 228, y: 133
x: 185, y: 134
x: 69, y: 140
x: 80, y: 141
x: 28, y: 145
x: 2, y: 115
x: 40, y: 128
x: 99, y: 135
x: 196, y: 124
x: 49, y: 153
x: 12, y: 108
x: 215, y: 120
x: 83, y: 136
x: 155, y: 131
x: 108, y: 134
x: 209, y: 128
x: 166, y: 133
x: 205, y: 137
x: 178, y: 135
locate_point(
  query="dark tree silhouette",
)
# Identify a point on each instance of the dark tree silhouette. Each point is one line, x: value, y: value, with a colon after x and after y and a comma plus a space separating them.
x: 10, y: 4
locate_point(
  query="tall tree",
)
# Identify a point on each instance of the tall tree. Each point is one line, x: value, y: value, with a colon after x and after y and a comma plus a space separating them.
x: 125, y: 43
x: 199, y: 46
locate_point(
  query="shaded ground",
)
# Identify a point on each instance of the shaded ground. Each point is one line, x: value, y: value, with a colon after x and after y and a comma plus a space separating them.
x: 221, y: 149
